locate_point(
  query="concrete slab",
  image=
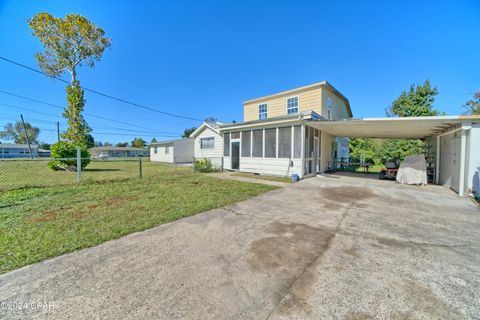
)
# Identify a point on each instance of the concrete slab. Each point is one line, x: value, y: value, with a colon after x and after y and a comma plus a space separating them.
x: 331, y: 247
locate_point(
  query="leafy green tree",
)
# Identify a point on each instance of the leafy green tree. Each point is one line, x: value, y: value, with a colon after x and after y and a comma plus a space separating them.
x: 89, y: 141
x: 121, y: 144
x: 398, y: 149
x: 15, y: 132
x: 363, y: 148
x: 416, y: 102
x: 66, y: 152
x: 187, y: 132
x: 154, y: 140
x: 69, y: 43
x: 138, y: 143
x: 107, y: 144
x: 473, y: 105
x: 44, y: 146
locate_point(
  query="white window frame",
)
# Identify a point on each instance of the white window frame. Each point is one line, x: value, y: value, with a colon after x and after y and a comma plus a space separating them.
x: 209, y: 145
x: 167, y: 149
x: 155, y: 150
x: 298, y: 104
x: 264, y: 113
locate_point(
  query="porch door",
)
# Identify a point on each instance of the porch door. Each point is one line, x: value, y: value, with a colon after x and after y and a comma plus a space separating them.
x: 315, y: 155
x: 236, y: 155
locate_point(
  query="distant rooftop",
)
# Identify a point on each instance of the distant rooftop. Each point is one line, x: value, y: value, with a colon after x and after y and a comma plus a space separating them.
x: 17, y: 146
x: 113, y: 148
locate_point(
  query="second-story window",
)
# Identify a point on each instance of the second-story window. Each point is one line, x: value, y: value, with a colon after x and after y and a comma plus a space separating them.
x: 262, y: 111
x: 292, y: 105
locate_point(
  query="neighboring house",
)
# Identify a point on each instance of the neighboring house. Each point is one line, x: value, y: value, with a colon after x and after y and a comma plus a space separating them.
x: 276, y: 138
x: 10, y: 150
x: 178, y: 151
x: 117, y: 152
x: 208, y: 143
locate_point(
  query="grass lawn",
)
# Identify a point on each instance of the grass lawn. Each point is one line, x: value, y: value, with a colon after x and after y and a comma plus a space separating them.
x: 22, y: 173
x: 40, y: 223
x: 373, y: 169
x: 262, y: 177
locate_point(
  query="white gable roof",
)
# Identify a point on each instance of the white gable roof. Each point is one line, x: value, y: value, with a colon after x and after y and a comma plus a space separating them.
x: 202, y: 127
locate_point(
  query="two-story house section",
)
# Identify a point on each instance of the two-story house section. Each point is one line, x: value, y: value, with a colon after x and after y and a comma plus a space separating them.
x: 276, y: 138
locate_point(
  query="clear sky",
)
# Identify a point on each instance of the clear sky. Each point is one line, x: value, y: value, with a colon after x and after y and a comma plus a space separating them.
x: 204, y: 58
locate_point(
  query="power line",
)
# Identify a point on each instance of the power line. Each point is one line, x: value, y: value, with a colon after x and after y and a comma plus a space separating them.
x: 101, y: 93
x: 93, y: 123
x: 85, y: 113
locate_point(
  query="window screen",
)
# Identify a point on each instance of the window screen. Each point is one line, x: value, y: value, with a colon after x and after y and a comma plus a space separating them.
x: 235, y: 135
x: 297, y: 141
x: 207, y: 143
x: 270, y: 143
x: 257, y: 143
x: 246, y: 144
x: 226, y: 144
x: 285, y: 142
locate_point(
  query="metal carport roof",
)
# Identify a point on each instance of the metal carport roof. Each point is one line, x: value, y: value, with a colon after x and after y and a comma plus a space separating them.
x: 408, y: 127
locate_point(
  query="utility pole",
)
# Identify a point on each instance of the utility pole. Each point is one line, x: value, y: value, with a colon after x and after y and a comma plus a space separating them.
x: 26, y: 135
x: 58, y: 131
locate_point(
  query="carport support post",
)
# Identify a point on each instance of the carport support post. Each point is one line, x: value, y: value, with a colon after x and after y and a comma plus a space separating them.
x: 463, y: 152
x: 437, y: 161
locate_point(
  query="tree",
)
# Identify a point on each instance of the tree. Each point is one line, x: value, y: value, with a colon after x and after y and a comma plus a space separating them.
x: 89, y: 141
x: 138, y: 143
x: 187, y: 132
x: 107, y: 144
x: 416, y: 102
x: 17, y: 134
x: 69, y: 43
x: 44, y: 146
x: 121, y: 144
x: 153, y: 140
x: 473, y: 105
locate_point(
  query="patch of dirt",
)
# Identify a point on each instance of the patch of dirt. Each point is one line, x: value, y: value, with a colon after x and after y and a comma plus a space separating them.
x: 117, y: 200
x: 49, y: 215
x: 346, y: 194
x: 291, y: 249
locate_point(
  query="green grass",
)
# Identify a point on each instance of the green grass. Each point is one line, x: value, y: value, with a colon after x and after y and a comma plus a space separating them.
x: 16, y: 174
x: 374, y: 169
x: 262, y: 177
x: 40, y: 223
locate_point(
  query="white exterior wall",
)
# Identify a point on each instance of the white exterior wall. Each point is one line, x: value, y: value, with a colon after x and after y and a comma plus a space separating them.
x: 183, y: 151
x: 271, y: 166
x: 473, y: 160
x: 215, y: 155
x: 161, y: 156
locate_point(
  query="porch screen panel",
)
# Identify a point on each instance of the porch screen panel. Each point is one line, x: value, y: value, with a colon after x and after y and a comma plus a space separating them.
x: 257, y: 143
x: 310, y: 143
x: 270, y: 143
x: 246, y: 144
x: 285, y: 142
x: 235, y: 135
x: 297, y: 141
x: 226, y: 144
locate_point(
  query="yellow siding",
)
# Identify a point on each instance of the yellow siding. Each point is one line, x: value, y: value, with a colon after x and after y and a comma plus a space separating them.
x: 308, y: 99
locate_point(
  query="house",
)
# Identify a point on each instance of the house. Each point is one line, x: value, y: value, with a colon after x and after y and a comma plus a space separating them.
x: 276, y: 138
x: 305, y: 131
x: 208, y: 143
x: 174, y: 151
x: 10, y: 150
x: 105, y: 152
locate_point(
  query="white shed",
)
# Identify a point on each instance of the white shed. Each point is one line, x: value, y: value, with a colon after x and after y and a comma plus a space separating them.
x: 208, y: 143
x: 178, y: 151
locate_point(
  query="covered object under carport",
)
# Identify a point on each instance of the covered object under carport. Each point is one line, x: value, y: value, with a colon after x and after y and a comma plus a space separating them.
x: 453, y: 142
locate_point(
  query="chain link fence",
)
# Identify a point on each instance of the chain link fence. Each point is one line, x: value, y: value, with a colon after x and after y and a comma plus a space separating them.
x: 24, y: 172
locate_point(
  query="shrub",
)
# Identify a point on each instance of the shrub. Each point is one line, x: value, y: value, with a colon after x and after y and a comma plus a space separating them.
x: 204, y: 166
x: 63, y: 150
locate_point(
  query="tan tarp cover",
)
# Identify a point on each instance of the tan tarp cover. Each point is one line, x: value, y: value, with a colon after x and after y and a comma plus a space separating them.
x: 413, y: 170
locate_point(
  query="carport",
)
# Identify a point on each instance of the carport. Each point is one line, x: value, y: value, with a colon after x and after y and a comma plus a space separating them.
x: 452, y: 143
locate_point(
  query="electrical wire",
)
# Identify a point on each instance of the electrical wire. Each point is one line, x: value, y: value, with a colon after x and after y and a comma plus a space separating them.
x: 101, y: 93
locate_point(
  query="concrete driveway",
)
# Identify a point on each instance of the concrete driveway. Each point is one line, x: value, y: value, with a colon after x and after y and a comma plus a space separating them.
x: 331, y: 247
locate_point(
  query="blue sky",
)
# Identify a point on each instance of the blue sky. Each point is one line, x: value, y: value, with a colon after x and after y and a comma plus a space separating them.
x: 204, y: 58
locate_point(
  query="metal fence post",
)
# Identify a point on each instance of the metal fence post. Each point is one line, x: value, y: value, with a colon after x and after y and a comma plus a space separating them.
x: 79, y: 163
x: 174, y: 164
x: 140, y: 167
x: 193, y: 164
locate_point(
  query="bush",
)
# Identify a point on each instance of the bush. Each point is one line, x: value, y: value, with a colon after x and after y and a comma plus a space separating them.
x: 204, y: 166
x: 63, y: 150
